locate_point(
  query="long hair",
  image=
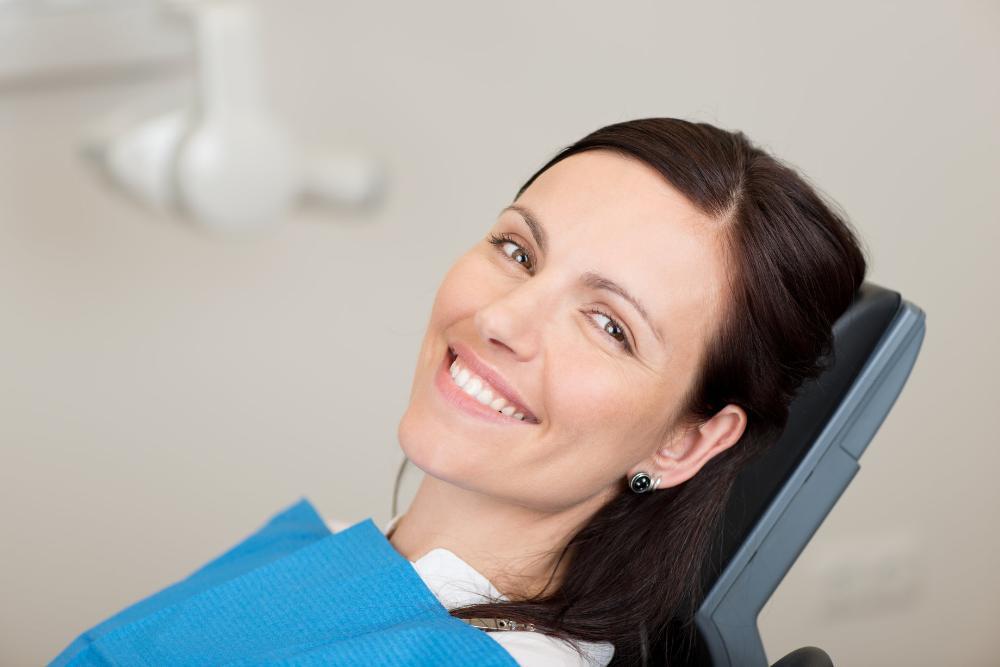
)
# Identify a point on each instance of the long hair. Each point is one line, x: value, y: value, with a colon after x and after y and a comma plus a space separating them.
x: 634, y: 570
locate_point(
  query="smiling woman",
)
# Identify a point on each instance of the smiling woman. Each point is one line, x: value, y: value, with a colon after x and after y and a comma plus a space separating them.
x: 648, y: 304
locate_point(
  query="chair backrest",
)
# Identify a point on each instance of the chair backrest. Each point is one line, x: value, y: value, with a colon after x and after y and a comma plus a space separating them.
x: 780, y: 499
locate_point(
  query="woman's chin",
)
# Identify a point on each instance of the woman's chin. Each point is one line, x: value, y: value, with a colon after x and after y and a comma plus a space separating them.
x: 423, y: 437
x: 432, y: 444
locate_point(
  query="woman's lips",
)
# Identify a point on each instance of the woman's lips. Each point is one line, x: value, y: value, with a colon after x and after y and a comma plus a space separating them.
x: 461, y: 400
x: 470, y: 360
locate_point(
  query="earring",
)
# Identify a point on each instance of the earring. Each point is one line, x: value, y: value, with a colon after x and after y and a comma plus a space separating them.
x: 641, y: 482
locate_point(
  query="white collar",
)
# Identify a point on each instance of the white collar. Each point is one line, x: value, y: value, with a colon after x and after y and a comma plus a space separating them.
x: 453, y: 581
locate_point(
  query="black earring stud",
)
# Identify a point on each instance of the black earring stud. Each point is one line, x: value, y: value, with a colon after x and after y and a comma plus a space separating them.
x: 641, y: 482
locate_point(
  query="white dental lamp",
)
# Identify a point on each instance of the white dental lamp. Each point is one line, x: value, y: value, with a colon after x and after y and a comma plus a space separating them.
x: 226, y: 164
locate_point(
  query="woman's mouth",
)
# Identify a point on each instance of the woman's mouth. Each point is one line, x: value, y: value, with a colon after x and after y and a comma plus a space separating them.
x: 472, y: 393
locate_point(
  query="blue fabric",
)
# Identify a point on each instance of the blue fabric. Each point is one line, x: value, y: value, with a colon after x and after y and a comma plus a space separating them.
x: 292, y: 593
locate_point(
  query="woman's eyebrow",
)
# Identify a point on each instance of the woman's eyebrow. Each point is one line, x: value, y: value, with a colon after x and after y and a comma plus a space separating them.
x: 590, y: 279
x: 536, y: 227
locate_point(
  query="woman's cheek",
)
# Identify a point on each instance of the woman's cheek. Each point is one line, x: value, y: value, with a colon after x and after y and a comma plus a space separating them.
x: 591, y: 376
x: 465, y: 287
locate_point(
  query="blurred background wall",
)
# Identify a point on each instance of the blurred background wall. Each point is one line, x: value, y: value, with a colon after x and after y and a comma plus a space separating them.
x: 162, y: 391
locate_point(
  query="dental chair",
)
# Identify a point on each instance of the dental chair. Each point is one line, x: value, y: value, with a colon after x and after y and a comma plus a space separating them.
x: 781, y: 498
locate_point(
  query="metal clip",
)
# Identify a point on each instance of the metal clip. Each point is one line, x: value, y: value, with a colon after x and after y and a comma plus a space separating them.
x: 499, y: 624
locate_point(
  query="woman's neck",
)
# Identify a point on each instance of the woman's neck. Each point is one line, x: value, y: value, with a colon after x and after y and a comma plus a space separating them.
x: 513, y: 546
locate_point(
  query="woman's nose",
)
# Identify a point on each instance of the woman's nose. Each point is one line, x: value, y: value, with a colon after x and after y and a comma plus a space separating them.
x: 514, y: 319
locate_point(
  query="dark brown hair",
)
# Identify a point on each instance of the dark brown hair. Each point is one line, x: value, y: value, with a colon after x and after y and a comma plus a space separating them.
x: 633, y: 573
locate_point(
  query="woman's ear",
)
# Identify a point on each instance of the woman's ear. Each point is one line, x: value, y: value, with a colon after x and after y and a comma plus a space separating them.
x: 678, y: 461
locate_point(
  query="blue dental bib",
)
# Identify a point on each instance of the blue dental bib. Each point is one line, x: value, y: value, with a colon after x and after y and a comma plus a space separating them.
x: 292, y: 593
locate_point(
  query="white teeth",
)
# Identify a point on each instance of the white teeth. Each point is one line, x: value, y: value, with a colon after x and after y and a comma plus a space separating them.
x: 474, y: 386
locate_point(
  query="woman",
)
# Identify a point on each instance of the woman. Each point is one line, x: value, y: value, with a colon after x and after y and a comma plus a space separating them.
x: 594, y: 375
x: 650, y: 302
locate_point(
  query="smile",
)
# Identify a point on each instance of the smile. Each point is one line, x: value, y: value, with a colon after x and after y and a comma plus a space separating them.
x: 473, y: 393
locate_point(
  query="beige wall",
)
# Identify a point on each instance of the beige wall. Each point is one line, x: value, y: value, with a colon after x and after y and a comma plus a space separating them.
x: 162, y: 392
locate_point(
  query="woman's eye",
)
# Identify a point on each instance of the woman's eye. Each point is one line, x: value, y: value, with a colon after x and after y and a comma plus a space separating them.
x: 501, y: 240
x: 616, y: 329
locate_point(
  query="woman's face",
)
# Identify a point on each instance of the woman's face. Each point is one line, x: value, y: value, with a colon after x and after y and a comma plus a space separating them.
x: 603, y: 382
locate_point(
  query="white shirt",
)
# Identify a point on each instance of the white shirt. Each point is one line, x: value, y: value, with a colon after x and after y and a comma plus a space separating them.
x: 455, y: 583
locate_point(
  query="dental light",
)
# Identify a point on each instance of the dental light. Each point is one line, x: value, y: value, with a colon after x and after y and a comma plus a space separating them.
x: 224, y: 163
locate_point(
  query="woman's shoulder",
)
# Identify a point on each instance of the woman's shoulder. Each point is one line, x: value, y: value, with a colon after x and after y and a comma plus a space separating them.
x: 535, y: 649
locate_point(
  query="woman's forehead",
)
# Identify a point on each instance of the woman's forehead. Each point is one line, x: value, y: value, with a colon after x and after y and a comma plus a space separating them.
x: 604, y: 194
x: 603, y: 177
